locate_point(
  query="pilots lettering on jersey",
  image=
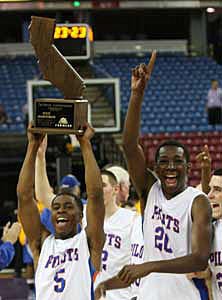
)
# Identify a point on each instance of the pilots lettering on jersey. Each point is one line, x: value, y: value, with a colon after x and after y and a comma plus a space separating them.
x: 113, y: 240
x: 216, y: 258
x: 69, y: 255
x: 170, y: 222
x: 137, y: 250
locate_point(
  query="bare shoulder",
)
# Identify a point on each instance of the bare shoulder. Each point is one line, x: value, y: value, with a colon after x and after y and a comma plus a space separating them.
x: 201, y: 200
x: 150, y: 180
x: 201, y: 206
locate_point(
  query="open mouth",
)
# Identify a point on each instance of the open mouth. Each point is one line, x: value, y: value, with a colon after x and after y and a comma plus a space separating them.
x: 215, y: 205
x: 61, y: 222
x: 171, y: 180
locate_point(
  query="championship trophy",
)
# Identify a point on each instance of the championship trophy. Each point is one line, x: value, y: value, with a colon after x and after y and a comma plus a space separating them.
x: 59, y: 116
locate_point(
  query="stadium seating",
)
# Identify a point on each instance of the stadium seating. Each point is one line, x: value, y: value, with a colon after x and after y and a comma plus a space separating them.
x: 14, y: 72
x: 176, y: 98
x: 174, y: 103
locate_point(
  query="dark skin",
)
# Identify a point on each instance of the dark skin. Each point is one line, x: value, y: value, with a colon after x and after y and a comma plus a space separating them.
x: 63, y: 205
x: 172, y: 165
x: 172, y: 162
x: 172, y: 169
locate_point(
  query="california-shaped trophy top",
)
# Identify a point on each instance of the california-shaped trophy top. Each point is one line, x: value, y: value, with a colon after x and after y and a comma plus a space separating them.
x: 53, y: 65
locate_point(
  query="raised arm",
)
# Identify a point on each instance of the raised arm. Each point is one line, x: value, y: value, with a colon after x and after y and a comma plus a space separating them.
x: 141, y: 177
x: 205, y: 163
x: 7, y: 251
x: 43, y: 189
x: 27, y: 208
x: 194, y: 262
x: 95, y: 206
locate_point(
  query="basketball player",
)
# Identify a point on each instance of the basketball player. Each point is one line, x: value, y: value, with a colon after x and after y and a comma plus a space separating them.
x: 43, y: 190
x: 137, y: 249
x: 215, y: 262
x: 64, y: 262
x: 177, y: 218
x: 123, y: 180
x: 118, y: 227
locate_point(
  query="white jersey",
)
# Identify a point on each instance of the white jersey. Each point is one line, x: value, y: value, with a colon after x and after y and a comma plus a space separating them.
x: 137, y: 249
x: 167, y: 235
x: 216, y: 261
x: 117, y: 250
x: 64, y: 270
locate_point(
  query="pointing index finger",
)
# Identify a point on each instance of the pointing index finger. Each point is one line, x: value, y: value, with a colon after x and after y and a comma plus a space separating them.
x: 152, y: 62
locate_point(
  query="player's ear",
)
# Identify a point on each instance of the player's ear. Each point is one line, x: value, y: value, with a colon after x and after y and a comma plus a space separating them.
x: 117, y: 188
x: 79, y: 216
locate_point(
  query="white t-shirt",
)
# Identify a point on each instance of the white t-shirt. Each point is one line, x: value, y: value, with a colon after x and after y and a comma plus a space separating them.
x: 167, y: 235
x: 117, y: 250
x: 64, y: 270
x: 216, y: 261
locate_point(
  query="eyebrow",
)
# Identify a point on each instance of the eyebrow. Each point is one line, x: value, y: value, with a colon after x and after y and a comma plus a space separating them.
x: 65, y: 203
x: 217, y: 187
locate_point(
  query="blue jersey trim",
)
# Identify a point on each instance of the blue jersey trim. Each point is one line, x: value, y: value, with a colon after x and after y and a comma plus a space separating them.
x: 92, y: 271
x: 202, y: 288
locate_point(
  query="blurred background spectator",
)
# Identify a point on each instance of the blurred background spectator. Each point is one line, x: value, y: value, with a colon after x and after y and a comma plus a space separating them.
x: 214, y: 103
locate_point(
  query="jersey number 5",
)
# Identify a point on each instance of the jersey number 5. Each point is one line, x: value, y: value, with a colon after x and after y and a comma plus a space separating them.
x: 59, y: 287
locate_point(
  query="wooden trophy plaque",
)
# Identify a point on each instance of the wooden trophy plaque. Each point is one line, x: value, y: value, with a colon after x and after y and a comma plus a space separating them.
x: 59, y: 116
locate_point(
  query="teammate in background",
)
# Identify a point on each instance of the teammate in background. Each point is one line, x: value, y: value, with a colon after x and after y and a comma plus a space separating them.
x: 133, y: 201
x: 118, y: 227
x: 177, y: 218
x: 213, y: 185
x: 204, y: 160
x: 215, y: 262
x: 9, y: 237
x: 137, y: 249
x: 126, y: 196
x: 123, y: 181
x: 64, y: 262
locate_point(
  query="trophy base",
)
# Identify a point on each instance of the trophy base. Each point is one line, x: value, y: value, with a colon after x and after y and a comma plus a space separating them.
x: 60, y: 116
x: 55, y: 131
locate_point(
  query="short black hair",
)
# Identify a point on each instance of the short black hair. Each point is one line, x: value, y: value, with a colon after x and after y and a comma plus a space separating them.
x: 76, y: 199
x: 172, y: 143
x: 217, y: 172
x: 111, y: 176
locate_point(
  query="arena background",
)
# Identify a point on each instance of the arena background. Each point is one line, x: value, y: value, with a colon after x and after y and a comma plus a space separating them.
x: 188, y: 38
